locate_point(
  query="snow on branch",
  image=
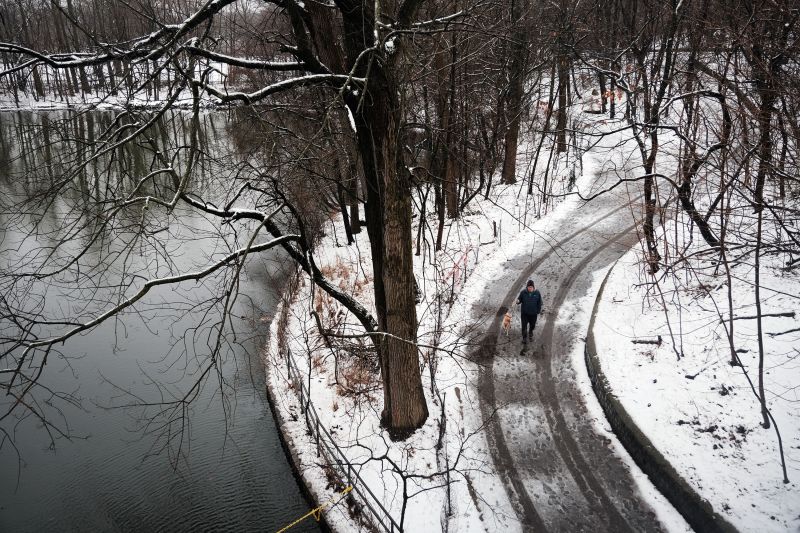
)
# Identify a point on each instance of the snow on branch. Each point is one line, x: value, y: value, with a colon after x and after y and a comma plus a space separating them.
x: 149, y: 46
x: 246, y: 63
x: 66, y: 60
x: 303, y: 257
x: 333, y: 80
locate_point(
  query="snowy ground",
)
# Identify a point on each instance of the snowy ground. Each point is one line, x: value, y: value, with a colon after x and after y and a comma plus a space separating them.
x: 481, y: 264
x: 736, y: 469
x: 699, y: 411
x: 478, y: 501
x: 451, y: 280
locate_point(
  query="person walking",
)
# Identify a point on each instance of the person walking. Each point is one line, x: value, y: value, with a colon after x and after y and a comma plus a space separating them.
x: 530, y: 302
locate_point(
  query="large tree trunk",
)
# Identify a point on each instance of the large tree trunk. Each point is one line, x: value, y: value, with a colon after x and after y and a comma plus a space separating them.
x: 404, y: 406
x: 515, y: 91
x: 561, y: 116
x: 766, y: 92
x: 601, y: 82
x: 37, y: 83
x: 448, y: 126
x: 388, y: 220
x: 388, y: 212
x: 650, y: 208
x: 759, y: 321
x: 352, y: 191
x: 440, y: 215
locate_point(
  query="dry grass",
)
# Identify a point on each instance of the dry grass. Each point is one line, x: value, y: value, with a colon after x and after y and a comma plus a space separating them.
x: 357, y: 378
x: 348, y: 280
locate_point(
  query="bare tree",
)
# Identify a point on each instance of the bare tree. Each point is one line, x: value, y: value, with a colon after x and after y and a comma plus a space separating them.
x: 350, y: 52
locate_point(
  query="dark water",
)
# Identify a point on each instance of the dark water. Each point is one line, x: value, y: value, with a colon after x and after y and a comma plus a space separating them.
x: 130, y: 457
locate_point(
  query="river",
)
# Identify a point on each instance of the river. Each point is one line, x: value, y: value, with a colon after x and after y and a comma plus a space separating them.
x: 130, y: 458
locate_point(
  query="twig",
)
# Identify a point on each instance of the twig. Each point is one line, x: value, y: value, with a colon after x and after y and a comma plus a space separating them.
x: 648, y: 341
x: 783, y: 332
x: 788, y: 314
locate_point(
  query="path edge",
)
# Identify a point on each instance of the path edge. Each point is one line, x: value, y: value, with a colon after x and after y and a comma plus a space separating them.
x: 278, y: 329
x: 695, y: 509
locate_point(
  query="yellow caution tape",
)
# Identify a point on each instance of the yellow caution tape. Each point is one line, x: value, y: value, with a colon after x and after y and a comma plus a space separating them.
x: 317, y: 511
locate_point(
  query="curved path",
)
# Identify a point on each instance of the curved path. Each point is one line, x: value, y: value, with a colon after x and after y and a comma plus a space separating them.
x: 560, y: 474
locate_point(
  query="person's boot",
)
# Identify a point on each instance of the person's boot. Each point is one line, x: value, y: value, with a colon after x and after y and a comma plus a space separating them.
x: 524, y: 339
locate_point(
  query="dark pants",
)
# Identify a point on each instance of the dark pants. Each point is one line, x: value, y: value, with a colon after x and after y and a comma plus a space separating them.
x: 528, y: 325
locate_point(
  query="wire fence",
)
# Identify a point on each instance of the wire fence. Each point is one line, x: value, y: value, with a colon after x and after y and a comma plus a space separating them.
x: 376, y: 514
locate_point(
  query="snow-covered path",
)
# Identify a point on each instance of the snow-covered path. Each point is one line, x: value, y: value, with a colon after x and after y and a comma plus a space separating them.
x: 560, y: 473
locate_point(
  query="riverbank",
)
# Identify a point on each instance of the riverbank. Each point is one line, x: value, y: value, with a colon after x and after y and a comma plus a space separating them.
x: 105, y: 90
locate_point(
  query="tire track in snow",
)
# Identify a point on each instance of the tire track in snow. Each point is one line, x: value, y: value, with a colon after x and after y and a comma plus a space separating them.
x: 526, y: 510
x: 563, y: 439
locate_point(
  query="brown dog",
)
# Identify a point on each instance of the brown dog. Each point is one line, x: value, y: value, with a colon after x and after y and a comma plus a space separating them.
x: 507, y: 323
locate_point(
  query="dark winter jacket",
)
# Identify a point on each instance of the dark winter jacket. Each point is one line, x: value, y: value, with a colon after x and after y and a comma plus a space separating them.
x: 531, y: 302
